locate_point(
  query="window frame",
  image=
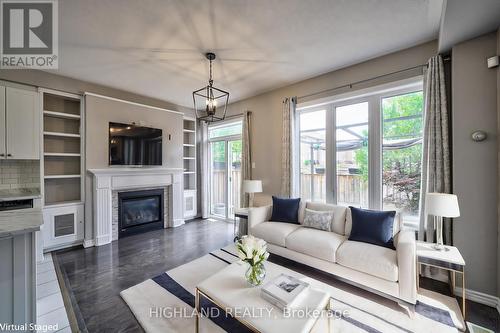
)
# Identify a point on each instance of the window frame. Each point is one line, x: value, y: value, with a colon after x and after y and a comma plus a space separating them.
x: 374, y: 97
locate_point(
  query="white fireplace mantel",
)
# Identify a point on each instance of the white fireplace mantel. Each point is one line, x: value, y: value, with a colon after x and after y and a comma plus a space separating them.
x: 107, y: 180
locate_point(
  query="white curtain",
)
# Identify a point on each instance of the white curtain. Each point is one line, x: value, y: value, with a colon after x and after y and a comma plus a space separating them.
x: 246, y: 157
x: 288, y: 182
x: 204, y: 169
x: 436, y: 174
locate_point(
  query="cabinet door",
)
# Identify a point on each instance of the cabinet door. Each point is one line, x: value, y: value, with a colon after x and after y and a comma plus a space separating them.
x: 189, y: 204
x: 23, y: 124
x: 62, y: 226
x: 2, y: 122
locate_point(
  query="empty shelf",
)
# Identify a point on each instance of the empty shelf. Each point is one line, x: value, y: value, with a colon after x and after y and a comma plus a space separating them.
x: 67, y: 135
x: 62, y: 154
x: 61, y: 176
x: 61, y: 114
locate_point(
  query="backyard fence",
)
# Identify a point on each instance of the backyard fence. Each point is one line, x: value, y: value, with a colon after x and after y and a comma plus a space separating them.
x: 352, y: 189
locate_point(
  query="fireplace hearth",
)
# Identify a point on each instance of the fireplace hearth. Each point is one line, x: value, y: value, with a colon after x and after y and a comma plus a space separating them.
x: 140, y: 211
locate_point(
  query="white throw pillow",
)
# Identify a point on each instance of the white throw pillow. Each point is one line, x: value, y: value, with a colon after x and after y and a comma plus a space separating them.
x: 321, y: 220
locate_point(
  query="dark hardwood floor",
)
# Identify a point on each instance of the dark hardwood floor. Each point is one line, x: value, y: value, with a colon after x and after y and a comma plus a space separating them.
x: 95, y: 276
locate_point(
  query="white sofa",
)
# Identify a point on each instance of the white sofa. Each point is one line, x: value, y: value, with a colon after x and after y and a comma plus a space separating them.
x: 390, y: 273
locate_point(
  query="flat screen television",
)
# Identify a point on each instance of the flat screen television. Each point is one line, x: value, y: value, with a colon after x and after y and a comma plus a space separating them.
x: 134, y: 145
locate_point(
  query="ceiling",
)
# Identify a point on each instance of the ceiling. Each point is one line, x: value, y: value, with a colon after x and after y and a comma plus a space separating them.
x: 155, y: 47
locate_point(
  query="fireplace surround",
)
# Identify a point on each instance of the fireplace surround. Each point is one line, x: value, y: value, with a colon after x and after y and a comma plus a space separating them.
x: 107, y: 182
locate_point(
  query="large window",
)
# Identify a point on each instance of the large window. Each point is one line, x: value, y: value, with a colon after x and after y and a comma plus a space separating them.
x: 365, y: 150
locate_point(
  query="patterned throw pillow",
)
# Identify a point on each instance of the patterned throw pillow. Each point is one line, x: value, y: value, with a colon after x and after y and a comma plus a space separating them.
x: 321, y: 220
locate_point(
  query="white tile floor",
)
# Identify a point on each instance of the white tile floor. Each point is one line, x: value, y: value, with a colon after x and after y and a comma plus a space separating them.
x: 49, y: 304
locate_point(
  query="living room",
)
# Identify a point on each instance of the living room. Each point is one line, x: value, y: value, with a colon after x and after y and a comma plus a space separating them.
x: 320, y: 166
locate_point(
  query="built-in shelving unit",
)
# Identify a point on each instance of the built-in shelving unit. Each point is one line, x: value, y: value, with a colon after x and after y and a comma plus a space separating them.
x: 62, y: 169
x: 189, y: 161
x: 62, y: 148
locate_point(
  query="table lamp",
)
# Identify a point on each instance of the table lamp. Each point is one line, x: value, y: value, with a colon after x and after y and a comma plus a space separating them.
x: 251, y: 187
x: 441, y: 205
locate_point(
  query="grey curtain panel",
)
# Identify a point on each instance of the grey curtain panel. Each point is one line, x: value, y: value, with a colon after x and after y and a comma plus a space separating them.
x: 204, y: 168
x: 436, y: 170
x: 288, y: 183
x: 246, y: 157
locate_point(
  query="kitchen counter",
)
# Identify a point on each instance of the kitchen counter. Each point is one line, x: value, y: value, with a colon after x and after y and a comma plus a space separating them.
x: 20, y: 194
x: 15, y: 222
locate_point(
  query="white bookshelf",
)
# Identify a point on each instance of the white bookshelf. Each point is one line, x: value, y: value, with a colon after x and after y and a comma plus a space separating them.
x: 62, y: 169
x: 189, y: 161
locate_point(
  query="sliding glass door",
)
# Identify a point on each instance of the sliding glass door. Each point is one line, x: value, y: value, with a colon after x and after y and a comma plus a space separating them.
x: 218, y: 179
x: 225, y: 169
x: 234, y: 157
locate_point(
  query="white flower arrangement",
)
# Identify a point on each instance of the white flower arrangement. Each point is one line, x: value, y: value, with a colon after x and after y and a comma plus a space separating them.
x: 252, y: 250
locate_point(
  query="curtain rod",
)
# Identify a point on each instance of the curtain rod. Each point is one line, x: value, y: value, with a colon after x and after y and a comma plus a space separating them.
x: 349, y: 85
x: 238, y: 115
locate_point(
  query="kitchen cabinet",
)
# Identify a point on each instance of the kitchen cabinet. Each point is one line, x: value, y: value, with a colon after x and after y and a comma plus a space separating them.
x: 20, y: 123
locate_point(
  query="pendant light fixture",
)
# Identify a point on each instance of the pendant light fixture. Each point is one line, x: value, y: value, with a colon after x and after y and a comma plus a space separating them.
x: 210, y: 103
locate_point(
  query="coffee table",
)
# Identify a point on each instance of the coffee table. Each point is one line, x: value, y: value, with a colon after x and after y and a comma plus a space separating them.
x: 229, y: 290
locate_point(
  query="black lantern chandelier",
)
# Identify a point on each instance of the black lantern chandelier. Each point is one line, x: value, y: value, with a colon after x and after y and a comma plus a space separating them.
x: 210, y: 103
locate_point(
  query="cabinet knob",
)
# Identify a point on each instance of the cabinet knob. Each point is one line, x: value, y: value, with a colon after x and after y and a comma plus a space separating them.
x: 2, y: 155
x: 9, y: 155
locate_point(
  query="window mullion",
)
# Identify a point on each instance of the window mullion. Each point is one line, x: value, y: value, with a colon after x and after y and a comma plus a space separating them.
x: 374, y: 153
x: 331, y: 156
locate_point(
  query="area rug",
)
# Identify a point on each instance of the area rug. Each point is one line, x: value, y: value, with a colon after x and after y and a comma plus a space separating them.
x: 165, y: 304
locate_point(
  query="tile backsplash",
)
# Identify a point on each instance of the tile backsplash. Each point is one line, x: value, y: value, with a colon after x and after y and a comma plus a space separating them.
x: 15, y: 174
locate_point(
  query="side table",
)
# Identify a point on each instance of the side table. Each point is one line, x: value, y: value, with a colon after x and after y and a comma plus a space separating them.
x: 449, y: 259
x: 240, y: 216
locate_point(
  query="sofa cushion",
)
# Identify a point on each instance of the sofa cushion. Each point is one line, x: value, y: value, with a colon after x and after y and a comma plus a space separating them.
x: 367, y: 258
x: 317, y: 219
x: 348, y: 223
x: 316, y: 243
x: 373, y: 226
x: 274, y: 232
x: 285, y: 210
x: 339, y: 214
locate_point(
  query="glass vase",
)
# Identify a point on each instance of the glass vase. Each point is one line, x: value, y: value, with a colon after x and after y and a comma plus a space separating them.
x: 255, y: 274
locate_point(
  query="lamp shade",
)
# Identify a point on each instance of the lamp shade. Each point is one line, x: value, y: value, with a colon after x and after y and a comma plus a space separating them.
x: 442, y: 204
x: 252, y: 186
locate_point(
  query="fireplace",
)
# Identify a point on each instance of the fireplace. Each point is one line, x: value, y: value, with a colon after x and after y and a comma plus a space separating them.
x: 140, y: 211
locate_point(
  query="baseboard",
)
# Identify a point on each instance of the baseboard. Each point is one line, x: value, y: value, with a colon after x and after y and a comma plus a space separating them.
x: 178, y: 222
x: 479, y: 297
x: 88, y: 243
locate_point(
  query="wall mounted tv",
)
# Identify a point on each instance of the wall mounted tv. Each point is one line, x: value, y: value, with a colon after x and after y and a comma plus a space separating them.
x: 134, y: 145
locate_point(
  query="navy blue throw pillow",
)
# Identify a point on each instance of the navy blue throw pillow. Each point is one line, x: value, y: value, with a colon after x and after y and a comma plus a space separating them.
x: 373, y: 226
x: 285, y: 210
